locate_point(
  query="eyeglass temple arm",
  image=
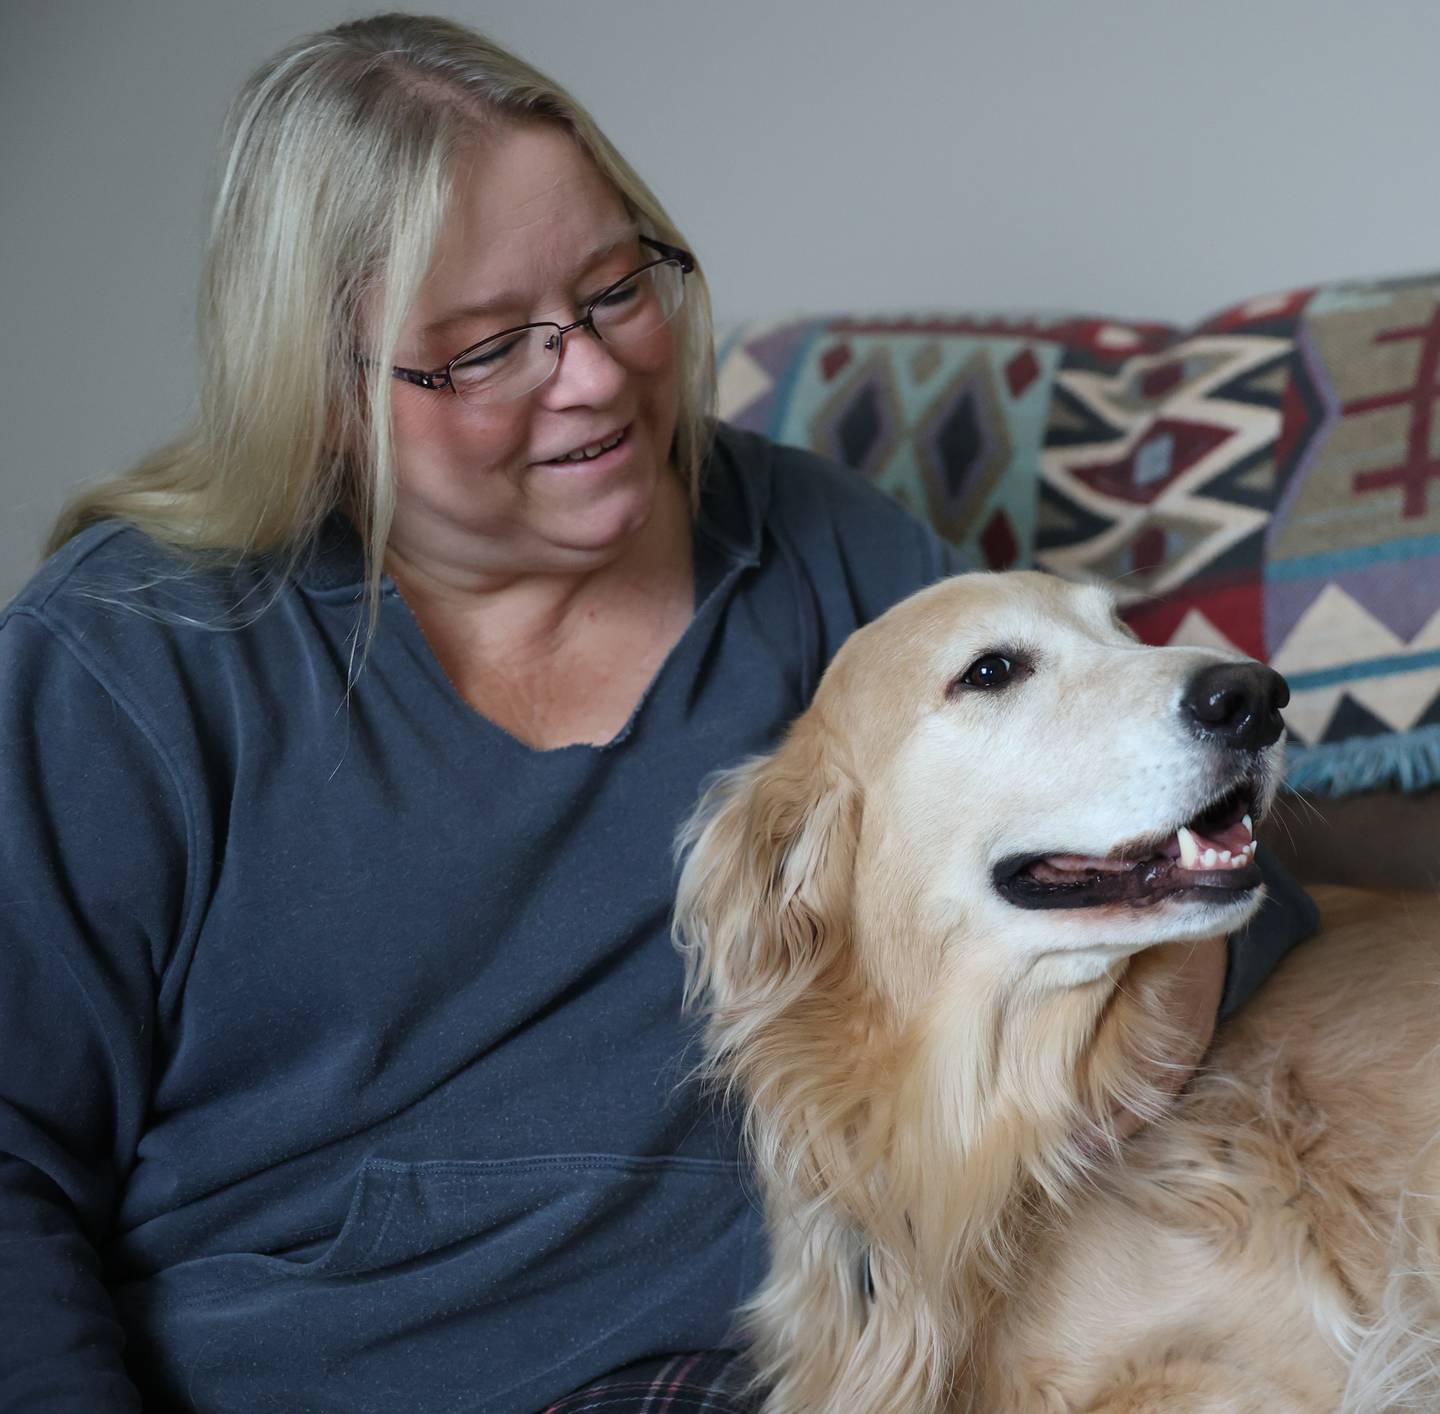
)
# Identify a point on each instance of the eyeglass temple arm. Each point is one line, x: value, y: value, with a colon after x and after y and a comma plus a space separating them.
x: 438, y: 379
x: 421, y: 379
x: 671, y: 252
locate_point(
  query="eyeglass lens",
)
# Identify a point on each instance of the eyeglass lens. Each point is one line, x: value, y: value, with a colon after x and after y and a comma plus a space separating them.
x: 517, y: 362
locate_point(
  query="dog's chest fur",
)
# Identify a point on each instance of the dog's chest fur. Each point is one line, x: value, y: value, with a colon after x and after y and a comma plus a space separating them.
x: 1247, y: 1240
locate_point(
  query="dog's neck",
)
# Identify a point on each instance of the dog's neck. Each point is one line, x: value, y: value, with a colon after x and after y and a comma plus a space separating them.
x: 986, y: 1132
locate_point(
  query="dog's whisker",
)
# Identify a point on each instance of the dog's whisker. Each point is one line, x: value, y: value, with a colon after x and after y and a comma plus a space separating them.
x: 1300, y: 800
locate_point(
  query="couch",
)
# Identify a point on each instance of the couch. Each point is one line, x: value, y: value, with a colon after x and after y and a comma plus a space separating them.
x: 1266, y: 481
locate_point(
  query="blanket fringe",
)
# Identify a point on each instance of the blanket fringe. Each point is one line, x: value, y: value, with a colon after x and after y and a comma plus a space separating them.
x: 1409, y: 760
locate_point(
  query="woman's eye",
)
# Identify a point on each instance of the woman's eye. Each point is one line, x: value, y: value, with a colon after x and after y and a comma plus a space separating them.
x: 490, y: 355
x: 993, y: 670
x: 614, y: 298
x: 488, y: 361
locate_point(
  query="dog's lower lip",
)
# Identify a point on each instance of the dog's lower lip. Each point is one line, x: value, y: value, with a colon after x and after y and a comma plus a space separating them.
x: 1156, y: 881
x: 1147, y: 871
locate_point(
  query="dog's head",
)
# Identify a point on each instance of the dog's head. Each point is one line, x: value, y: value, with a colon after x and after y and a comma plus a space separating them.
x: 995, y: 765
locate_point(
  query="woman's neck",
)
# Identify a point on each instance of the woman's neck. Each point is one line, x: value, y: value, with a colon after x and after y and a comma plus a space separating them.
x: 558, y: 657
x: 537, y: 608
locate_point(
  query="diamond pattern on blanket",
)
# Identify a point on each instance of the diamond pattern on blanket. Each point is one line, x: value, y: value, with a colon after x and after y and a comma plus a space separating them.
x: 948, y: 421
x: 963, y: 447
x: 861, y: 423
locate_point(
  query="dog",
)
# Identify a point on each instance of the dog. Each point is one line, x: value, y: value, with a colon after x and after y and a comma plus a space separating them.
x: 933, y: 936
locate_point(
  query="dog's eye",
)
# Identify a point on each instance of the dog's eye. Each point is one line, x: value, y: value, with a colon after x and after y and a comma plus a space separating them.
x: 993, y: 670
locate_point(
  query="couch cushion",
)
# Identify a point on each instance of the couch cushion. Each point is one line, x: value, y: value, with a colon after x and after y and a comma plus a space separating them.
x: 1373, y: 840
x: 1267, y: 481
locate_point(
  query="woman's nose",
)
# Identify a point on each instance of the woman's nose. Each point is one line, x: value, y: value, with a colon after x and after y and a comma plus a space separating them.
x: 588, y: 370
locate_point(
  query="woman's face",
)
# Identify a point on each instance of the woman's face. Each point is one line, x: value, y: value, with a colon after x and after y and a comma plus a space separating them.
x: 535, y: 232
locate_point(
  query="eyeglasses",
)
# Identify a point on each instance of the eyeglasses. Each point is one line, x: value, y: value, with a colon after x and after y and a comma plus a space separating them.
x: 517, y: 361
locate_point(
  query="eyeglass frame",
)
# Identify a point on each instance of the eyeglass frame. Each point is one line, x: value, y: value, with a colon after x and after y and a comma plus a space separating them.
x: 439, y: 379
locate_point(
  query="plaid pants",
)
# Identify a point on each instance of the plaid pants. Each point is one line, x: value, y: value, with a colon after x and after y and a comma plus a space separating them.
x: 707, y: 1382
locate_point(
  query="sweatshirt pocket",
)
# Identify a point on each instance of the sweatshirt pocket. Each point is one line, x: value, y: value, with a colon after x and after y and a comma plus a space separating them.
x: 521, y: 1212
x: 475, y: 1285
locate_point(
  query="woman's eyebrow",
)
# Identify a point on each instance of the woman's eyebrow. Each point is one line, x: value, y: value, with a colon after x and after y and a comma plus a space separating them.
x: 511, y: 300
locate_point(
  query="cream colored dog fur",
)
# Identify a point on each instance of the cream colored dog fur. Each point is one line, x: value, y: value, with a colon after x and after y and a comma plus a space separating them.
x: 923, y: 1063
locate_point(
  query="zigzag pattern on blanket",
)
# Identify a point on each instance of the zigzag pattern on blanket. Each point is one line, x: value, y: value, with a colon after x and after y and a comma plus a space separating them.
x: 1268, y: 482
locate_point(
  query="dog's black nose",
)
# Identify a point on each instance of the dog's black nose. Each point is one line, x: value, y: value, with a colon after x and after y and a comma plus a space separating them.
x: 1237, y: 703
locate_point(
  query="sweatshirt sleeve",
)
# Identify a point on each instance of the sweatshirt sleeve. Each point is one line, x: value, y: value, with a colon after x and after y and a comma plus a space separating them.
x: 92, y: 889
x: 1287, y: 917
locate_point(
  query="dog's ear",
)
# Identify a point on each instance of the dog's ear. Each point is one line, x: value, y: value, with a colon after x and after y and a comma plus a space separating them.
x: 764, y: 896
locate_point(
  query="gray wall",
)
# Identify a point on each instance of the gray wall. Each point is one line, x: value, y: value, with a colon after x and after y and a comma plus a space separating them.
x: 1124, y: 156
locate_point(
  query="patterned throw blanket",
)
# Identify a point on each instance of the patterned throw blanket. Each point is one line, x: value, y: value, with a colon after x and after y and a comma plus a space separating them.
x: 1268, y: 481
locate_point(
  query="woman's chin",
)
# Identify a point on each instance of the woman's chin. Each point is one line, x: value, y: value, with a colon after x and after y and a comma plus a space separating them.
x: 592, y: 507
x: 548, y: 517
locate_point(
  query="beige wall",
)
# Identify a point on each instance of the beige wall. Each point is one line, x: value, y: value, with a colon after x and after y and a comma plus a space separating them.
x: 1149, y: 157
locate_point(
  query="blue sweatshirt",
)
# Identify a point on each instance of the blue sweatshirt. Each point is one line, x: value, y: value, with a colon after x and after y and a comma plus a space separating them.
x: 341, y: 1057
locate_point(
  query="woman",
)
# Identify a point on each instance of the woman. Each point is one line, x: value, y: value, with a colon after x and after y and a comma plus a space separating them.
x: 342, y: 745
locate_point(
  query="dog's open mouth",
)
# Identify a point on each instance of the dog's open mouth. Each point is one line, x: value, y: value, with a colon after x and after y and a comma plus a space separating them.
x: 1214, y: 854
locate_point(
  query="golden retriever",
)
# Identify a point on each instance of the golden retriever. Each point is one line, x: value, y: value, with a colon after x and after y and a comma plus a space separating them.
x: 933, y: 935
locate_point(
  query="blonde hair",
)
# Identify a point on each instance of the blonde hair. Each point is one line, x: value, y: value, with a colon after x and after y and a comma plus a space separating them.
x: 336, y: 179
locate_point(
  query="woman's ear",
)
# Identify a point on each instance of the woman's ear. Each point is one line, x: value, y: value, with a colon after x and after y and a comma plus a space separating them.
x: 764, y: 896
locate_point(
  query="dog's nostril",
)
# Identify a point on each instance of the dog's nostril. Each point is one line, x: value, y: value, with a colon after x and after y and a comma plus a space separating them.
x: 1236, y: 703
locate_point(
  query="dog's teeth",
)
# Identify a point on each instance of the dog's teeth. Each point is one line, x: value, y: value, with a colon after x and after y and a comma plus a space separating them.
x: 1249, y: 825
x: 1189, y: 850
x: 1208, y: 859
x: 1225, y: 856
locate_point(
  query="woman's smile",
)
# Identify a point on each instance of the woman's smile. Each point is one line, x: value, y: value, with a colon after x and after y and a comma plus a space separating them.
x: 594, y: 454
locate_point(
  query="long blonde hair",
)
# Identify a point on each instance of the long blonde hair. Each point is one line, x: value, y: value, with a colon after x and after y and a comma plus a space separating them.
x: 336, y: 178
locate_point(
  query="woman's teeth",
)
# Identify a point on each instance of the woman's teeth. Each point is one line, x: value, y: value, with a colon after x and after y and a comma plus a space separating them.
x: 585, y: 454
